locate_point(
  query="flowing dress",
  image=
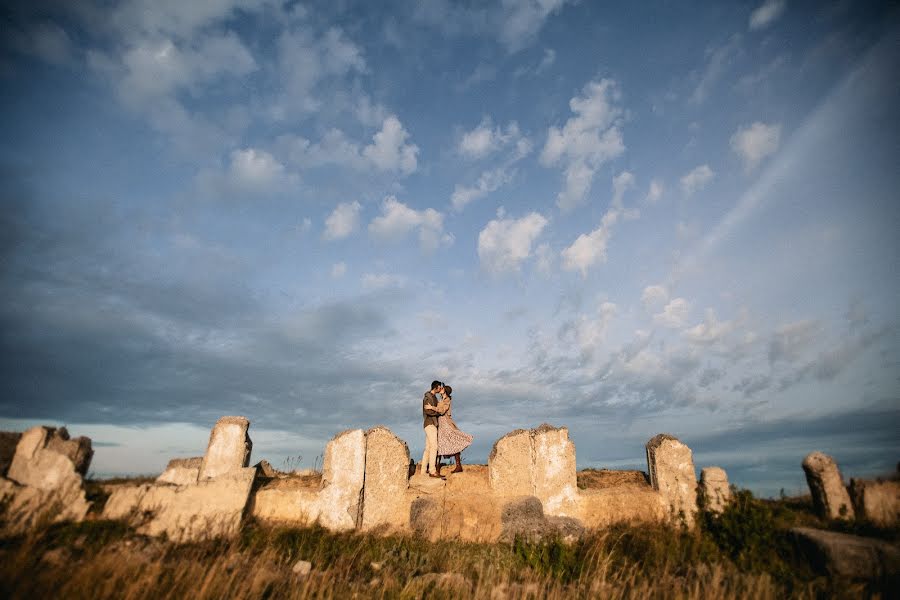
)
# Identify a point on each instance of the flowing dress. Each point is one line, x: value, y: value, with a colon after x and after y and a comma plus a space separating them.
x: 450, y: 439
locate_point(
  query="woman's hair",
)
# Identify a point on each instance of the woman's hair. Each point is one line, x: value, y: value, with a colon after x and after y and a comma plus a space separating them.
x: 448, y: 390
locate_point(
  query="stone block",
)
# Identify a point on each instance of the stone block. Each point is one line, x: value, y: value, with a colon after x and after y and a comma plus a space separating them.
x: 24, y: 507
x: 386, y: 479
x: 599, y: 508
x: 265, y: 469
x: 181, y: 471
x: 78, y: 450
x: 46, y: 458
x: 850, y: 556
x: 524, y: 518
x: 8, y: 442
x: 509, y: 464
x: 829, y: 496
x: 715, y: 489
x: 228, y: 449
x: 343, y: 474
x: 670, y: 464
x: 553, y: 470
x: 876, y: 501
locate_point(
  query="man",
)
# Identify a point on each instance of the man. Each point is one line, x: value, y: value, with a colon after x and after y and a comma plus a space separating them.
x: 431, y: 410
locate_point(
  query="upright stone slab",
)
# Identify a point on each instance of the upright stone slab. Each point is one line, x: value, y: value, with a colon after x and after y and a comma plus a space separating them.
x: 181, y: 471
x: 553, y: 470
x: 876, y: 501
x: 509, y: 464
x: 386, y: 479
x: 343, y: 473
x: 829, y: 496
x: 229, y: 448
x: 8, y: 442
x: 671, y: 467
x: 715, y: 489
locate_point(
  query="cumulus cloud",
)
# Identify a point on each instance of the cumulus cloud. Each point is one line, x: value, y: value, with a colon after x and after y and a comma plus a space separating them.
x: 250, y: 172
x: 755, y: 142
x: 488, y: 182
x: 590, y: 138
x: 522, y: 19
x: 487, y: 139
x: 342, y: 221
x: 654, y: 297
x: 504, y: 244
x: 710, y: 331
x: 674, y: 315
x: 766, y: 13
x: 654, y: 192
x: 397, y: 220
x: 622, y: 182
x: 697, y: 179
x: 389, y: 150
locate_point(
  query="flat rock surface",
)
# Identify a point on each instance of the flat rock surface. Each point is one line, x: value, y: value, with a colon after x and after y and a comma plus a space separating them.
x: 847, y: 555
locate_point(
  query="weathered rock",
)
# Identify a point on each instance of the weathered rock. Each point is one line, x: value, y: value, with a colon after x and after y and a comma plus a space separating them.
x: 46, y: 458
x: 877, y: 501
x: 264, y: 469
x: 386, y: 479
x: 77, y: 450
x: 539, y: 462
x: 829, y: 496
x: 181, y: 471
x: 553, y: 470
x: 524, y: 518
x: 843, y: 555
x: 302, y: 568
x: 509, y: 464
x: 205, y: 510
x: 8, y: 442
x: 291, y: 499
x: 670, y: 464
x: 343, y: 473
x: 598, y: 508
x: 26, y: 506
x: 229, y: 447
x: 714, y: 488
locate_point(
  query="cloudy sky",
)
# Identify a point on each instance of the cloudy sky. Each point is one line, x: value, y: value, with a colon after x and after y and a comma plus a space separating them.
x: 626, y: 218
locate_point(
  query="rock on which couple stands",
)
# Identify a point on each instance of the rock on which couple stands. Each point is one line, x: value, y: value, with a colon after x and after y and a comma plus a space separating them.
x: 829, y: 496
x: 876, y: 501
x: 229, y: 448
x: 715, y: 489
x: 343, y: 473
x: 670, y: 464
x: 540, y: 463
x: 843, y: 555
x: 45, y: 478
x: 181, y: 471
x: 386, y: 479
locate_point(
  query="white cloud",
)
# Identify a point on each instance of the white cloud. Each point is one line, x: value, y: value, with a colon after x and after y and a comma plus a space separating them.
x: 488, y: 182
x: 486, y: 139
x: 545, y: 259
x: 342, y: 221
x: 654, y: 297
x: 338, y: 270
x: 674, y: 314
x: 380, y: 281
x: 397, y: 220
x: 755, y: 142
x: 504, y: 244
x: 654, y: 193
x: 711, y: 330
x: 389, y: 150
x: 589, y: 249
x: 718, y: 60
x: 697, y: 179
x: 622, y: 182
x: 255, y: 168
x: 522, y: 19
x: 766, y: 13
x: 590, y: 138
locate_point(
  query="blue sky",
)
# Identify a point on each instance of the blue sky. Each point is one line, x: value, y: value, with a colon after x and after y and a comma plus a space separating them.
x: 626, y: 219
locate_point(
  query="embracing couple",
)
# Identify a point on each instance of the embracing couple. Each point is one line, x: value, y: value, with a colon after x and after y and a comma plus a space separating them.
x: 442, y: 437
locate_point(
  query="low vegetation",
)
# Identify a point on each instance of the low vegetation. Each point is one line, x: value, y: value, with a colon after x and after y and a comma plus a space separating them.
x: 744, y: 553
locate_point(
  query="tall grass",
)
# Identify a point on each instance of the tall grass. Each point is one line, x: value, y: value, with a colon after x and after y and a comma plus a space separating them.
x: 741, y: 554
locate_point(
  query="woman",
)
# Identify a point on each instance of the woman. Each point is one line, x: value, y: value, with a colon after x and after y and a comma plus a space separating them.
x: 451, y: 441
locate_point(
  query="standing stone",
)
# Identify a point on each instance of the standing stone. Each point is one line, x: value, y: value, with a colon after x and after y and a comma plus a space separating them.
x: 876, y: 501
x: 386, y: 479
x: 343, y: 473
x: 229, y: 447
x: 509, y: 464
x: 671, y: 467
x: 715, y: 489
x: 181, y: 471
x: 8, y: 442
x: 553, y: 470
x: 829, y: 496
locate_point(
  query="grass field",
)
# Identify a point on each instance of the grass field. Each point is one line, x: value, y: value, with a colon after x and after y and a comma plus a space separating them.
x: 745, y: 553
